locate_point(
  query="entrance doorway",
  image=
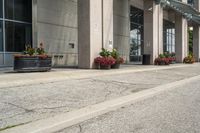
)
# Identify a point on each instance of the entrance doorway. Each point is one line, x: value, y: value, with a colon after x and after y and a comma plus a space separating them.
x: 136, y: 34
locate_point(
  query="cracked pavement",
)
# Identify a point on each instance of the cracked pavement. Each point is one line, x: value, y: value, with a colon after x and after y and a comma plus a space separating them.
x: 174, y: 111
x: 28, y: 103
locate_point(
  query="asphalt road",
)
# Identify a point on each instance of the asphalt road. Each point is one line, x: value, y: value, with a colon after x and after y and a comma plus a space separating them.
x: 174, y: 111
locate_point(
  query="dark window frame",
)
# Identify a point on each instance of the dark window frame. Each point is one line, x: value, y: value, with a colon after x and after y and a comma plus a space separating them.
x: 20, y: 47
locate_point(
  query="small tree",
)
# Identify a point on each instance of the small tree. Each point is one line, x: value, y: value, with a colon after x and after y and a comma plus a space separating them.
x: 190, y: 33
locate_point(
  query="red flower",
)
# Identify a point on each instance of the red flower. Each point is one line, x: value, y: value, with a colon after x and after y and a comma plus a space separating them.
x: 162, y: 61
x: 104, y: 61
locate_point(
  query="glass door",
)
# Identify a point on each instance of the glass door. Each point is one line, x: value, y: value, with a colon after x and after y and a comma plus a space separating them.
x: 136, y: 34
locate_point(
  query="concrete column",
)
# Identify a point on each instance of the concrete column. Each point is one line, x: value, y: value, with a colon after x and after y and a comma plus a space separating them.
x: 196, y: 42
x: 153, y: 29
x: 181, y: 27
x: 196, y: 35
x: 95, y: 29
x: 122, y: 28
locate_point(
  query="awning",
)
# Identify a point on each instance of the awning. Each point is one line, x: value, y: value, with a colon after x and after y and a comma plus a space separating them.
x: 186, y: 10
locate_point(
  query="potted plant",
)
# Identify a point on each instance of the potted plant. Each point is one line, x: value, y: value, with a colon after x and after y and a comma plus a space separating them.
x: 105, y: 60
x: 119, y: 60
x: 172, y: 58
x: 189, y: 59
x: 33, y: 59
x: 162, y: 60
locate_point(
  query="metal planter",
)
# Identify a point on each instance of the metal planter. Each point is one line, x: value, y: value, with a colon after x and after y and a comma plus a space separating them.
x: 32, y: 64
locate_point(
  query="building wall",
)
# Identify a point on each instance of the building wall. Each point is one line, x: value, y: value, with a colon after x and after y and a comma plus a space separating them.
x: 169, y: 15
x: 137, y: 3
x: 57, y: 29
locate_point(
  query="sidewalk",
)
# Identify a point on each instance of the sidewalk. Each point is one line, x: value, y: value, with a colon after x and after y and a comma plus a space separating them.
x: 29, y: 97
x: 8, y: 78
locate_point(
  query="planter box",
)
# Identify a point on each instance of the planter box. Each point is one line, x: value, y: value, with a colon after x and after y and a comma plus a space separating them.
x: 108, y: 67
x: 32, y: 64
x: 115, y: 66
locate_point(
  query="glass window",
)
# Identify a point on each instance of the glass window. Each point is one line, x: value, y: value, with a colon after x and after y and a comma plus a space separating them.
x: 20, y: 10
x: 17, y: 36
x: 191, y: 2
x: 1, y: 8
x: 9, y: 5
x: 1, y: 36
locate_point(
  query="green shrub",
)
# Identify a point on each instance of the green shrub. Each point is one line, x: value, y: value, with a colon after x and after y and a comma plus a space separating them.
x: 105, y: 53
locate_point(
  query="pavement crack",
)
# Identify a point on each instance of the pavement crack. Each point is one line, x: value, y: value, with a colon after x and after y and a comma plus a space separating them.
x: 52, y: 108
x: 119, y: 82
x: 124, y: 90
x: 80, y: 128
x: 13, y: 126
x: 26, y: 110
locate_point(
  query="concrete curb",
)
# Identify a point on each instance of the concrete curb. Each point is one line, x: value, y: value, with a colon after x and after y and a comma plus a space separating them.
x: 63, y: 121
x: 40, y: 78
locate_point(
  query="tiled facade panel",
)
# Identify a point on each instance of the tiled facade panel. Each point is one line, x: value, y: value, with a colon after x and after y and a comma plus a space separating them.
x: 57, y: 29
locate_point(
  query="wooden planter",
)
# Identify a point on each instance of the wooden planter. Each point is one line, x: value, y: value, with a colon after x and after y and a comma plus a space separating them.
x: 32, y: 63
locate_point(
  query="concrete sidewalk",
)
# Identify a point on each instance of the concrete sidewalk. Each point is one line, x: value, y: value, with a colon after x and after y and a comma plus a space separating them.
x: 28, y: 100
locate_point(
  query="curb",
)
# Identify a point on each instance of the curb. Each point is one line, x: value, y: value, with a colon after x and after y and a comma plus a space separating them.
x: 62, y: 76
x: 66, y: 120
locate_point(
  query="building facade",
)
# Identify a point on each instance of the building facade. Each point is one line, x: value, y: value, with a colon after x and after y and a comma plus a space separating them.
x: 74, y: 31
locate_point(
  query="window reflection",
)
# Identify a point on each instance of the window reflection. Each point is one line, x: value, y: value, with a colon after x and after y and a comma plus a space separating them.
x: 16, y: 36
x: 20, y: 10
x: 191, y: 2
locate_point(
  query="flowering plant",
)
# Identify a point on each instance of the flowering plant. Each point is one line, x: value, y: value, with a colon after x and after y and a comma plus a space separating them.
x: 172, y: 59
x: 189, y: 59
x: 165, y: 59
x: 40, y: 50
x: 104, y: 61
x: 120, y: 60
x: 162, y: 61
x: 115, y: 54
x: 33, y: 52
